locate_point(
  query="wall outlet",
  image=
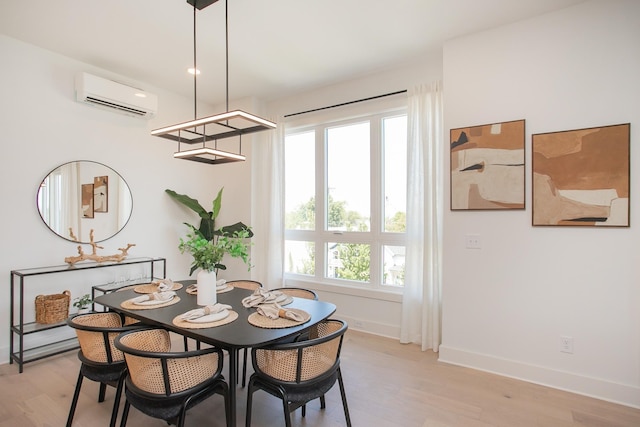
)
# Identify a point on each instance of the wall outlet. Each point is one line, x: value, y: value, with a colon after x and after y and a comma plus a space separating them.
x: 566, y: 344
x: 472, y: 241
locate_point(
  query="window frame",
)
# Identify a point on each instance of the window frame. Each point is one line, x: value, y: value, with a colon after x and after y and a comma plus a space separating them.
x: 377, y: 238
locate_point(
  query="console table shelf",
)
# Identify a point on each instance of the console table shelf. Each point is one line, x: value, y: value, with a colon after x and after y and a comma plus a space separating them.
x: 19, y: 327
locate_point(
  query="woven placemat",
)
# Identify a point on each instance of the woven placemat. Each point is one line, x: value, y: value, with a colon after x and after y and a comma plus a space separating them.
x: 129, y: 305
x: 192, y: 290
x: 191, y: 325
x: 149, y: 288
x: 261, y: 321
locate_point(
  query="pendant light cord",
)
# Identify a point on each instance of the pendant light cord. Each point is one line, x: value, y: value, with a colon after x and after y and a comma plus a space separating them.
x: 226, y: 37
x: 195, y: 68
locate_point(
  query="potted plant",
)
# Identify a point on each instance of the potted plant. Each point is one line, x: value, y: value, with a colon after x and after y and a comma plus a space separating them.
x: 82, y: 303
x: 209, y: 245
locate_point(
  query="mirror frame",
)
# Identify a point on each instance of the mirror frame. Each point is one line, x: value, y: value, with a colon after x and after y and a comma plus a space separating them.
x: 98, y: 236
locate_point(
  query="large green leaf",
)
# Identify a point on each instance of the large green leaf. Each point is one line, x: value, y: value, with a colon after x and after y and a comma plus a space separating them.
x: 217, y: 204
x: 231, y: 229
x: 192, y: 204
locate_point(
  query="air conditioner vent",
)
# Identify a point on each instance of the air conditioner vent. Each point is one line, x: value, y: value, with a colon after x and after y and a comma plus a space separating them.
x: 114, y: 96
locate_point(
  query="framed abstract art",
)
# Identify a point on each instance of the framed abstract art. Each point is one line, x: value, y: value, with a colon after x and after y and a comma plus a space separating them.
x: 581, y: 177
x: 487, y: 166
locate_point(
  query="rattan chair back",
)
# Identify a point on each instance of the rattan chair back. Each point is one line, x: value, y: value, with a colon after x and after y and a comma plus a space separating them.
x: 252, y: 285
x: 299, y: 293
x: 101, y: 361
x: 96, y: 333
x: 305, y: 360
x: 154, y: 369
x: 300, y: 371
x: 165, y: 384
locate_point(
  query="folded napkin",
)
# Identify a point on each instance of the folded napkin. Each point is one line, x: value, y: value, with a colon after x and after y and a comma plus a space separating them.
x: 159, y: 296
x: 205, y: 311
x: 163, y: 284
x: 274, y: 310
x: 261, y: 296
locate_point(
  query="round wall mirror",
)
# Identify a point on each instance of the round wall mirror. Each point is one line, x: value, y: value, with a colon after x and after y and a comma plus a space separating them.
x: 83, y: 197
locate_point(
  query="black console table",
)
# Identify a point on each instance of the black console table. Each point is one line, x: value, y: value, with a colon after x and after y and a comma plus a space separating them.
x: 20, y: 327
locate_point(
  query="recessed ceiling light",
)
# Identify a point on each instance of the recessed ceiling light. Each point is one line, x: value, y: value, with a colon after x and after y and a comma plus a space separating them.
x: 141, y: 95
x: 193, y: 71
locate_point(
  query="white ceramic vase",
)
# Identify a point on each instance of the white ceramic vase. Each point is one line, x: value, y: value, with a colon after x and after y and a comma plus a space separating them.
x: 206, y: 287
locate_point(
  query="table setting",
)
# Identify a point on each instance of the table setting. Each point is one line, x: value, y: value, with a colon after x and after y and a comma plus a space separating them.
x: 209, y: 316
x: 151, y: 300
x: 160, y: 285
x: 270, y: 313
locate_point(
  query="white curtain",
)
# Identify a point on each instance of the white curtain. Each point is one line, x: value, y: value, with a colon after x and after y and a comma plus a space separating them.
x: 421, y: 302
x: 268, y: 207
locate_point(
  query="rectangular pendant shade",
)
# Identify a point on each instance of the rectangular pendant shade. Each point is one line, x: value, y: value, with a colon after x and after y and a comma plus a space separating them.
x: 219, y: 126
x: 209, y: 155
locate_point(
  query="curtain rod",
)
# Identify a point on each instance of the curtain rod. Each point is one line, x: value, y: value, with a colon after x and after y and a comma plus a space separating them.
x: 346, y: 103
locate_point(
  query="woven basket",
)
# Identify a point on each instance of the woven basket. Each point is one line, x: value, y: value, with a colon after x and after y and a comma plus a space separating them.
x: 52, y: 308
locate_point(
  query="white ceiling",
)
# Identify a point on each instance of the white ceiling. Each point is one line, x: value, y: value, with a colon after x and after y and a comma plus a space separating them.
x: 276, y: 47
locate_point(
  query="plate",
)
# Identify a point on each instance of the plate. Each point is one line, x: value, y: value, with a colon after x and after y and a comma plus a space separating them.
x: 210, y: 317
x: 153, y: 302
x: 221, y: 288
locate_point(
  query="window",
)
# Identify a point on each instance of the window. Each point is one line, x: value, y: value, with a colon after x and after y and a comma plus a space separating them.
x: 345, y: 201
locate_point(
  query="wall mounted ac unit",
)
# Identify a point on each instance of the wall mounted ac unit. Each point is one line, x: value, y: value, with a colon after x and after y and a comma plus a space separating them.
x: 110, y: 95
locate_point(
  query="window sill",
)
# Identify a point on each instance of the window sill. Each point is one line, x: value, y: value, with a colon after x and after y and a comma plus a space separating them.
x: 377, y: 294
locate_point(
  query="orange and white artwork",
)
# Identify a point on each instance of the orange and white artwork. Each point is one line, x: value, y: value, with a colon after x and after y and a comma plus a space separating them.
x: 87, y: 200
x: 487, y: 166
x: 581, y: 177
x: 101, y: 194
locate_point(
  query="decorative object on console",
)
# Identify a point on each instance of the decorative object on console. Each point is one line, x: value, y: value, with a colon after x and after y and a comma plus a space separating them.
x: 220, y: 126
x: 93, y: 256
x: 82, y: 303
x: 487, y: 166
x: 207, y: 244
x: 581, y: 177
x: 52, y: 308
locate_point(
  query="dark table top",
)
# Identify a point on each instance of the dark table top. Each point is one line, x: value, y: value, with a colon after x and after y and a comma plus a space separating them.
x: 237, y: 334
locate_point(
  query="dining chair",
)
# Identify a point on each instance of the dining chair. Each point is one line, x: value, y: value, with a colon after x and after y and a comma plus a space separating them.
x: 299, y: 293
x: 164, y: 384
x: 251, y: 285
x: 100, y: 360
x: 301, y: 371
x: 307, y: 294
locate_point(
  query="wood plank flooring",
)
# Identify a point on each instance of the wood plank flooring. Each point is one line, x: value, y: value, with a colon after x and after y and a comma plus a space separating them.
x: 387, y: 383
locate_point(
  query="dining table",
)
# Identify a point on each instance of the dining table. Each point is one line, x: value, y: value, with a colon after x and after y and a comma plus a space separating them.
x: 232, y: 337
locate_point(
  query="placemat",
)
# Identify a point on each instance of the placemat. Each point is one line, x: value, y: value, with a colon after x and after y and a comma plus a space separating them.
x: 190, y: 325
x: 192, y: 290
x: 264, y: 322
x: 149, y: 288
x: 129, y: 305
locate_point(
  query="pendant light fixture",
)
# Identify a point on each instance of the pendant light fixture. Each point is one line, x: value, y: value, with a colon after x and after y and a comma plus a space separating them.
x: 207, y: 131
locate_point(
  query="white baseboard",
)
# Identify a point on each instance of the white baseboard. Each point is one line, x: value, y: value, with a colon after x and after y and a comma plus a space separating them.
x: 622, y: 394
x: 371, y: 327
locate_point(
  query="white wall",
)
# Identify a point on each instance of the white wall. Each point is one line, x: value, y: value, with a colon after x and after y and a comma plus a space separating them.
x: 507, y: 304
x: 44, y: 127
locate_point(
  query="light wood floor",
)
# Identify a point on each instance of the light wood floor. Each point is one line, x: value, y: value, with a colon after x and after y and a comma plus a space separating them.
x: 388, y: 384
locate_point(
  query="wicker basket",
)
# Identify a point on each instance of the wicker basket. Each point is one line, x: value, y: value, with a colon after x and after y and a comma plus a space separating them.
x: 52, y: 308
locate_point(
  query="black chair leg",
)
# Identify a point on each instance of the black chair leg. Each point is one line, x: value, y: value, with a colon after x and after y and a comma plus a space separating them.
x: 344, y: 399
x: 249, y: 404
x: 116, y: 401
x: 125, y: 413
x: 304, y: 411
x: 323, y: 403
x: 74, y: 402
x: 103, y: 392
x: 287, y: 414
